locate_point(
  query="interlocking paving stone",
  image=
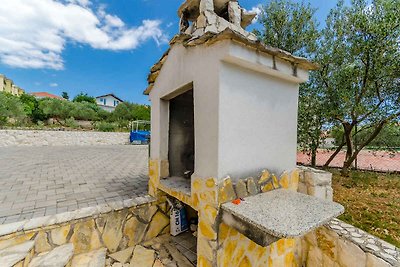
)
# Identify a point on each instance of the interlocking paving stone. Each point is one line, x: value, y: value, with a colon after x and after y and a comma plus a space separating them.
x: 38, y: 181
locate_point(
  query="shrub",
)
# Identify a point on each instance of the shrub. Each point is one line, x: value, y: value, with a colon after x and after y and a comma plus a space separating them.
x: 10, y: 108
x: 105, y: 126
x: 84, y: 98
x: 71, y: 123
x: 84, y: 111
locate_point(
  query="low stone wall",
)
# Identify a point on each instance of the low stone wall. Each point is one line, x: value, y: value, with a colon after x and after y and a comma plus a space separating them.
x: 113, y: 226
x: 338, y: 243
x: 60, y: 138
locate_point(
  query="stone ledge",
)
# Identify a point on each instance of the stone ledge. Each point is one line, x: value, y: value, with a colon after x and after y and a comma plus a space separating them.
x: 279, y: 214
x: 367, y: 242
x: 48, y: 221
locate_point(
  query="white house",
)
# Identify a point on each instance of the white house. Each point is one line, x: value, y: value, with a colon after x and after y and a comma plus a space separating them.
x: 108, y: 102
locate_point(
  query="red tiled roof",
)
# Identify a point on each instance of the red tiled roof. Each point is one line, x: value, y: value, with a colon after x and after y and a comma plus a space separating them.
x: 44, y: 94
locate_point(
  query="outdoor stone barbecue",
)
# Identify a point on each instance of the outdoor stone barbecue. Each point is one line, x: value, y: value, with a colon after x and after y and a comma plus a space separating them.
x: 224, y: 117
x: 224, y: 108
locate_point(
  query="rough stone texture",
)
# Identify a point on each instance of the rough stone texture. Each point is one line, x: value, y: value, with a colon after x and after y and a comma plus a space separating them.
x: 60, y: 138
x: 142, y: 257
x: 122, y: 256
x: 58, y: 257
x: 95, y: 258
x: 98, y: 230
x: 41, y: 181
x: 338, y: 242
x: 300, y: 214
x: 16, y: 254
x: 368, y: 243
x: 315, y: 183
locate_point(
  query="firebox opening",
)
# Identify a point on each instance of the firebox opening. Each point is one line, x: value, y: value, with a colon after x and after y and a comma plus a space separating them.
x: 181, y: 135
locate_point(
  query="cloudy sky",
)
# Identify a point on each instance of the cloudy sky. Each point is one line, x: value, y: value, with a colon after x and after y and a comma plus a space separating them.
x: 93, y: 46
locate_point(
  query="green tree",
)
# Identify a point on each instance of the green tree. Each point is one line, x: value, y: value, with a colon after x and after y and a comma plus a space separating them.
x: 360, y: 70
x: 84, y: 111
x: 84, y: 98
x: 10, y: 108
x: 30, y: 104
x: 289, y: 26
x: 129, y: 111
x: 56, y: 108
x: 292, y: 27
x: 65, y: 95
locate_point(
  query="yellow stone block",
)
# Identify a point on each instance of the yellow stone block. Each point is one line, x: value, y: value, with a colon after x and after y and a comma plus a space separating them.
x: 42, y: 243
x: 239, y: 254
x: 82, y: 236
x: 228, y: 252
x: 59, y: 235
x: 270, y: 261
x: 295, y: 176
x: 226, y: 191
x: 210, y: 213
x: 265, y: 175
x: 261, y: 251
x: 135, y: 231
x: 284, y: 181
x: 290, y: 243
x: 158, y: 223
x: 203, y: 262
x: 164, y: 172
x: 210, y: 183
x: 206, y: 230
x: 112, y: 233
x: 245, y: 262
x: 280, y: 247
x: 268, y: 187
x: 153, y: 168
x: 223, y: 232
x: 204, y: 249
x: 289, y: 259
x: 197, y: 185
x: 252, y: 246
x: 195, y: 200
x: 275, y: 181
x: 16, y: 241
x: 95, y: 242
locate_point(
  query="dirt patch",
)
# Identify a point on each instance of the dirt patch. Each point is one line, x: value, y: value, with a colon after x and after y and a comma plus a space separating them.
x: 371, y: 201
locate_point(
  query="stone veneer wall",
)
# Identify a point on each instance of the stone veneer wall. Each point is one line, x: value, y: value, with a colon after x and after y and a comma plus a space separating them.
x: 338, y: 243
x: 60, y: 138
x: 335, y: 244
x: 112, y: 226
x: 217, y: 243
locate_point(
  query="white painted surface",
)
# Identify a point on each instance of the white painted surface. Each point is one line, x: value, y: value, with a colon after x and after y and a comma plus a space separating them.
x: 247, y: 89
x: 258, y: 123
x: 108, y: 103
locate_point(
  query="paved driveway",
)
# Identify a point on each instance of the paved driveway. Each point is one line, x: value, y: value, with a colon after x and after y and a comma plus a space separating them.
x: 37, y: 181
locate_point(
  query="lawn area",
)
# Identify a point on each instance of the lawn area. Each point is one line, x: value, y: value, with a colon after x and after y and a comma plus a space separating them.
x: 371, y: 201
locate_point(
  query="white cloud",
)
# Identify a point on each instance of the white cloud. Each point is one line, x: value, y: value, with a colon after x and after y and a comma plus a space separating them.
x: 256, y: 9
x: 34, y: 33
x: 53, y: 85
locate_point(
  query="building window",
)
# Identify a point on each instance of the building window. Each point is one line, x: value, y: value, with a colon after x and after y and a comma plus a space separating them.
x: 116, y: 103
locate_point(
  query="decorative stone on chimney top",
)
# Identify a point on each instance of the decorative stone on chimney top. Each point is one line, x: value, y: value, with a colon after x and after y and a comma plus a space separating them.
x: 224, y: 127
x: 201, y: 16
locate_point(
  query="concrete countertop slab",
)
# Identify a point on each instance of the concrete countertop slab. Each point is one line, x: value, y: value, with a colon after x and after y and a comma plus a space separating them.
x: 279, y: 214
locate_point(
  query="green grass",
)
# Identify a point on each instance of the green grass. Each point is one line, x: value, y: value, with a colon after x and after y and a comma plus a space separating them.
x: 371, y: 201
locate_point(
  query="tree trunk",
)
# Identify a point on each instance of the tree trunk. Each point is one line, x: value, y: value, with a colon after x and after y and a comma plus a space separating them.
x: 349, y: 161
x: 326, y: 165
x: 347, y: 127
x: 313, y: 157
